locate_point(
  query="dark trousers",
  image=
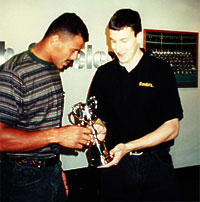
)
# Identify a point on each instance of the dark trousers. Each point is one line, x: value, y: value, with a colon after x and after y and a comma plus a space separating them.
x: 149, y: 177
x: 21, y: 183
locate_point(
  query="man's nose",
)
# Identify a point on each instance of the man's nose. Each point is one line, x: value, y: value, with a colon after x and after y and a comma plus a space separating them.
x: 118, y: 47
x: 74, y: 56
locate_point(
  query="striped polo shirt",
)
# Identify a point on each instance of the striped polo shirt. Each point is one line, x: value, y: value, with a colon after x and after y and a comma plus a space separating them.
x: 31, y: 96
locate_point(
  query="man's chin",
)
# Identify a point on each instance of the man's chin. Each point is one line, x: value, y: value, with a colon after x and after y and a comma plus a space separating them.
x: 122, y: 60
x: 70, y: 64
x: 66, y: 67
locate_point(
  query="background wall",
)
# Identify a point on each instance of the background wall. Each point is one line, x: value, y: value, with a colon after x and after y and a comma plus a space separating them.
x: 23, y: 22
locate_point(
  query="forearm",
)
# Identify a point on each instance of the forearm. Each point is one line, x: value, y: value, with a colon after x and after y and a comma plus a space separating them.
x: 166, y: 132
x: 71, y: 136
x: 13, y: 140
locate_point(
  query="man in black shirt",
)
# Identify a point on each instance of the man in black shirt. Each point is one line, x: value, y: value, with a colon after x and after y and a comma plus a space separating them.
x: 139, y: 102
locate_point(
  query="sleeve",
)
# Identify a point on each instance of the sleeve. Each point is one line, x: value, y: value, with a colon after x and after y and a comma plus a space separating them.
x: 10, y: 97
x: 170, y: 103
x: 97, y: 89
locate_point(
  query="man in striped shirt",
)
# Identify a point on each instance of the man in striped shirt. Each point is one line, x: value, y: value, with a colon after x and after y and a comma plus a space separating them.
x: 31, y: 109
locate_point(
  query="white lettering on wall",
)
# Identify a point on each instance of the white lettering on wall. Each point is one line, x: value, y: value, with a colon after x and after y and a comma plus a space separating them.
x: 86, y: 58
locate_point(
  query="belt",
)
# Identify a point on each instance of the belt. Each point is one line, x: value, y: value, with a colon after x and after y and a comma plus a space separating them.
x: 39, y: 163
x: 149, y: 150
x: 136, y: 153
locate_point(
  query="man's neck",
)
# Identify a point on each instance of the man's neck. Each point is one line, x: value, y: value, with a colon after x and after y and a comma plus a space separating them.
x: 39, y: 50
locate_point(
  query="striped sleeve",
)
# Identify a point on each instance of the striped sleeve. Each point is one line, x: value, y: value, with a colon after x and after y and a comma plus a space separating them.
x: 10, y: 97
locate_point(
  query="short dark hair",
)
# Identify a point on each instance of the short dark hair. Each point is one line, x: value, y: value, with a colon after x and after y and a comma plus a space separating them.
x: 126, y: 18
x: 70, y: 23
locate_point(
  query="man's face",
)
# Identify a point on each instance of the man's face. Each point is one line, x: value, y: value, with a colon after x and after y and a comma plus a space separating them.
x: 125, y: 44
x: 66, y: 51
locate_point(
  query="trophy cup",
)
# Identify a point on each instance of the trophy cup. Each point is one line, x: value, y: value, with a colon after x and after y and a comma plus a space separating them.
x: 84, y: 113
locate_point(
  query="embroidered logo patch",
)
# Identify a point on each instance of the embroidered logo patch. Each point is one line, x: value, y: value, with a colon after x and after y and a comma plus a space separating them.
x: 146, y: 84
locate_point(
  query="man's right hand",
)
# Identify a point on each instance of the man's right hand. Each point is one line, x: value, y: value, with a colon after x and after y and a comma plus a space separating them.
x: 16, y: 140
x: 74, y: 136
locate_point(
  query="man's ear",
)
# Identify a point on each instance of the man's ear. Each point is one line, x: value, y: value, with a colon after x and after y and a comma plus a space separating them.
x: 53, y: 40
x: 139, y: 37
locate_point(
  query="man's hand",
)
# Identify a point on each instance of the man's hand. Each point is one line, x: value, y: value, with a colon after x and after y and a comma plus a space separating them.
x: 65, y: 182
x: 117, y: 153
x: 101, y: 131
x: 73, y: 136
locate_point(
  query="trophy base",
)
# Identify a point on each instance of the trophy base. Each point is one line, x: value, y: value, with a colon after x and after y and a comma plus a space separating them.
x: 98, y: 158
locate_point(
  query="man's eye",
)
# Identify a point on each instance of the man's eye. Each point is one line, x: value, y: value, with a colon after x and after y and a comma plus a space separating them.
x: 124, y: 41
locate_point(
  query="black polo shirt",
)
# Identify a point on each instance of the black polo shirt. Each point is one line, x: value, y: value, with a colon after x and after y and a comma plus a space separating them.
x: 135, y: 103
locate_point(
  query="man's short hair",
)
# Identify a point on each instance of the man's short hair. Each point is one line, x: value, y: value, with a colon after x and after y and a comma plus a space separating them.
x: 126, y: 18
x: 68, y: 23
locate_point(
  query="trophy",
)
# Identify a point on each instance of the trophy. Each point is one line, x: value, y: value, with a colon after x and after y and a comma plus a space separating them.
x: 84, y: 113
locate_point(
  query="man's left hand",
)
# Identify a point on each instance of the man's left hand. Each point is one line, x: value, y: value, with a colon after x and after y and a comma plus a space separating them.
x: 118, y: 152
x: 65, y: 182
